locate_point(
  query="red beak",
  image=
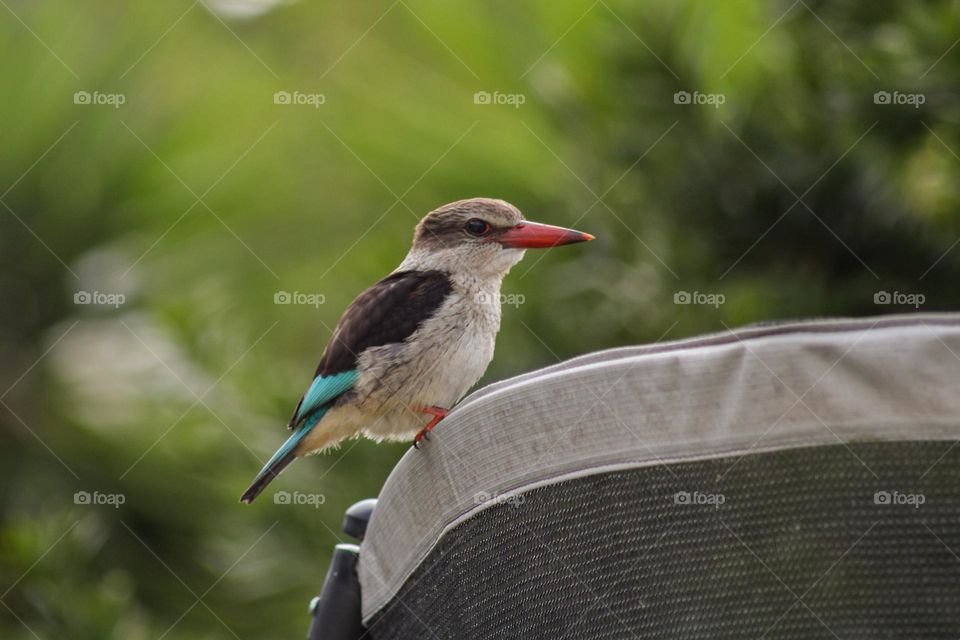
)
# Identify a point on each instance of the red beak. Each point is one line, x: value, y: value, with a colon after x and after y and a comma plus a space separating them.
x: 533, y: 235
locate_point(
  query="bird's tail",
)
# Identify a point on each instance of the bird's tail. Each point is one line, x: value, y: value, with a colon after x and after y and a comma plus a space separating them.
x: 277, y: 463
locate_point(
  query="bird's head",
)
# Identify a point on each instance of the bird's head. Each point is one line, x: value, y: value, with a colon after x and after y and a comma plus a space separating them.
x: 483, y: 236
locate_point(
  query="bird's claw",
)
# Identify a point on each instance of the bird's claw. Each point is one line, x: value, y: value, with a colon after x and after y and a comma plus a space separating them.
x: 438, y: 414
x: 420, y: 437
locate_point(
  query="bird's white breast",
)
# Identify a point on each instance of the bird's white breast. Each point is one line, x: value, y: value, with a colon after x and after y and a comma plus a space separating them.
x: 436, y: 365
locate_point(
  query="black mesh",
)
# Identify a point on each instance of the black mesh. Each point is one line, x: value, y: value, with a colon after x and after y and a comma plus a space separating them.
x: 799, y: 548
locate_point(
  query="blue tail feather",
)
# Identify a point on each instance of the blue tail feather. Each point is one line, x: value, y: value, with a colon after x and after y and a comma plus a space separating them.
x: 279, y: 460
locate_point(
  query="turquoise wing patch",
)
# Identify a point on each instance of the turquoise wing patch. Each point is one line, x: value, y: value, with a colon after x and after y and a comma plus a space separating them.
x: 323, y: 389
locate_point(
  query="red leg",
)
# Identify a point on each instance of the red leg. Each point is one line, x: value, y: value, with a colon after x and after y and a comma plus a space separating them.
x: 438, y: 413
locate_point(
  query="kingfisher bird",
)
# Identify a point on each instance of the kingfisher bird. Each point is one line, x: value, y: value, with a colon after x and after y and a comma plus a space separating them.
x: 409, y: 347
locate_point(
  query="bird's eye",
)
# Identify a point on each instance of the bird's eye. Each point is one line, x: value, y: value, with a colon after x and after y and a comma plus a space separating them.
x: 477, y: 227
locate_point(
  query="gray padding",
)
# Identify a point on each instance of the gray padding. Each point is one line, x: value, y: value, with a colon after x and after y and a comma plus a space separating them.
x: 759, y: 389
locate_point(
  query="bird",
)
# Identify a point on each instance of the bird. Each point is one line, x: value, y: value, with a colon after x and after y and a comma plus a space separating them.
x: 410, y: 346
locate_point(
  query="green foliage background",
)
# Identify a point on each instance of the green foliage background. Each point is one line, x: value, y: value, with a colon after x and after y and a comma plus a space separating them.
x: 200, y: 198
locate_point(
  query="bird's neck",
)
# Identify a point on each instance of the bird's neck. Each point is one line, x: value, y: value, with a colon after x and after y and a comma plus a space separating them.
x: 483, y: 263
x: 465, y: 280
x: 420, y: 260
x: 477, y: 289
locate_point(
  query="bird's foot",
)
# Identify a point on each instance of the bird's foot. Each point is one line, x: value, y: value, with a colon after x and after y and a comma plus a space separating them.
x: 438, y: 413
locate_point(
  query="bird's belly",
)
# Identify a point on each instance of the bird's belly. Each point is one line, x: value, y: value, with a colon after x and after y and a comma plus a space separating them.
x: 435, y: 366
x: 450, y: 372
x: 436, y: 373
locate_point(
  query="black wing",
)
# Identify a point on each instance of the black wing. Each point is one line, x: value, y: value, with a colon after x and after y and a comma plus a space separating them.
x: 388, y: 312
